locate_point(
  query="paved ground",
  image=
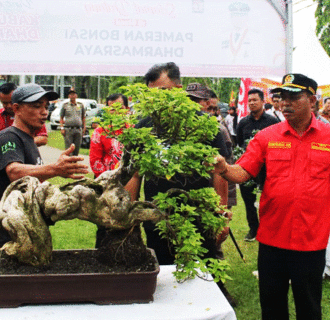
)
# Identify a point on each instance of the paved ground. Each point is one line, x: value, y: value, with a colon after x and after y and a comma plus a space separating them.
x: 50, y: 155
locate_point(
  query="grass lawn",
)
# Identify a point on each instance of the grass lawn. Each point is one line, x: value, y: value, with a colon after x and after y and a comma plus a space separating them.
x: 244, y: 286
x: 72, y: 234
x: 56, y: 140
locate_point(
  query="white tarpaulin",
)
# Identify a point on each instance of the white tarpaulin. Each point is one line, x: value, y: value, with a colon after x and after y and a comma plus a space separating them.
x: 309, y: 57
x: 226, y: 38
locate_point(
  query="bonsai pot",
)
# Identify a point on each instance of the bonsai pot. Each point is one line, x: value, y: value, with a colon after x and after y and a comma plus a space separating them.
x: 100, y: 287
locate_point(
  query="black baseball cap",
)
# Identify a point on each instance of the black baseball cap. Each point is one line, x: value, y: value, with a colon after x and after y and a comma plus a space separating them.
x: 31, y: 92
x: 296, y: 82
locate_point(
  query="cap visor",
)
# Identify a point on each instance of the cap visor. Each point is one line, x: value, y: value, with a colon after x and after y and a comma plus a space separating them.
x: 281, y: 89
x: 51, y: 95
x: 196, y: 95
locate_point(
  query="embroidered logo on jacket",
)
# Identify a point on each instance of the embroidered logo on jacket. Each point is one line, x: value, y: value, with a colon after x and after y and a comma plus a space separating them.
x: 321, y: 146
x: 279, y: 145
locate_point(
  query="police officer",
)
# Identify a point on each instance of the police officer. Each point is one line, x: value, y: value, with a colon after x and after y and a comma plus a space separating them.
x: 73, y: 121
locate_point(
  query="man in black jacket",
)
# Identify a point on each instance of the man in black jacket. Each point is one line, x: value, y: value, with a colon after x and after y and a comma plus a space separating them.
x: 257, y: 120
x: 167, y: 76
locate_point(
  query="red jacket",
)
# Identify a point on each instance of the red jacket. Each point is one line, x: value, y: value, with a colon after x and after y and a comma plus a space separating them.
x: 6, y: 121
x: 105, y: 152
x: 295, y: 201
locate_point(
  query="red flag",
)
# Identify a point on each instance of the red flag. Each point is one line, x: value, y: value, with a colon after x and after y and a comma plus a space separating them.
x: 242, y: 106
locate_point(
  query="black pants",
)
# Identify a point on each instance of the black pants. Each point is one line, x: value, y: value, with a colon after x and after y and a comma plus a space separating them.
x: 165, y: 255
x: 249, y: 199
x: 160, y: 245
x: 304, y: 269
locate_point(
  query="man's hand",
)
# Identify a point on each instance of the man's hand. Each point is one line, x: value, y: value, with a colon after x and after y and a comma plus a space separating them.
x: 223, y: 235
x: 220, y: 165
x: 63, y: 132
x: 67, y: 166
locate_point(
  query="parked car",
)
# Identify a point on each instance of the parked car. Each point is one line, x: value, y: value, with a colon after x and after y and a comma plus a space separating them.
x: 51, y: 108
x: 91, y: 109
x: 99, y: 117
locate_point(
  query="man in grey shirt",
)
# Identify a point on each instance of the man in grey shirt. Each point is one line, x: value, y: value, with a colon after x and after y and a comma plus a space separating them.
x: 73, y: 121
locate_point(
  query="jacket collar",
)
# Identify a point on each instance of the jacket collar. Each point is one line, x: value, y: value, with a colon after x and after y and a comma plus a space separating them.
x: 314, y: 125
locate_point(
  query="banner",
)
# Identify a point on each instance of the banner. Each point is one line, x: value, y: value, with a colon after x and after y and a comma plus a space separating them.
x: 206, y: 38
x: 322, y: 93
x: 242, y: 106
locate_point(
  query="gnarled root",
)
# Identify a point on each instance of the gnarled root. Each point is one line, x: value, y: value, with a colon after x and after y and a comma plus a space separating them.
x: 27, y: 204
x: 20, y: 215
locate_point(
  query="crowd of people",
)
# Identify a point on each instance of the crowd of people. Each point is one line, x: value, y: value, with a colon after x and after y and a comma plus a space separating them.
x: 286, y: 152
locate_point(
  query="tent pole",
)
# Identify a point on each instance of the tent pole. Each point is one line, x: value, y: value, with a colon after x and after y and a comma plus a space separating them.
x: 289, y: 37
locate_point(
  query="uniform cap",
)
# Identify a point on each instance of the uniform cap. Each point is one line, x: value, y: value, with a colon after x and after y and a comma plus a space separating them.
x: 296, y: 82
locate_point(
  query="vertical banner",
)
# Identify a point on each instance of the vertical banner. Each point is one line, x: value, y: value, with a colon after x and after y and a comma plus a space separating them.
x: 242, y: 106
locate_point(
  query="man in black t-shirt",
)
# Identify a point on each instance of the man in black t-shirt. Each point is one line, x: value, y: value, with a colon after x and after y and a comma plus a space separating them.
x: 16, y: 146
x: 19, y: 156
x: 257, y: 120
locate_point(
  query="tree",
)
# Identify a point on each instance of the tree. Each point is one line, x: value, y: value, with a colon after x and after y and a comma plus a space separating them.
x: 322, y: 15
x: 176, y: 144
x: 173, y: 145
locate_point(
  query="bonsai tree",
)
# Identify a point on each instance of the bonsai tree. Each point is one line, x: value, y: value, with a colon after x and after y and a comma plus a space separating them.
x: 173, y: 145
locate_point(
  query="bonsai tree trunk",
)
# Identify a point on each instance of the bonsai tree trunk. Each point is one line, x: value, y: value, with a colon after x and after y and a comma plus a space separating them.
x: 123, y: 247
x: 28, y: 207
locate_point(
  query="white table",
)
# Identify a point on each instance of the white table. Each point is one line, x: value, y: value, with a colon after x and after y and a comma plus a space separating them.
x: 192, y: 300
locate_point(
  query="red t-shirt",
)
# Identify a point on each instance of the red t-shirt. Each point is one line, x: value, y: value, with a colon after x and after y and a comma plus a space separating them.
x: 6, y: 121
x: 105, y: 152
x: 295, y: 201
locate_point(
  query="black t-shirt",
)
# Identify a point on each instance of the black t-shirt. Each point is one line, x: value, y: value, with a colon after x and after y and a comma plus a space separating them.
x: 244, y: 133
x: 249, y: 123
x: 16, y: 146
x: 152, y: 186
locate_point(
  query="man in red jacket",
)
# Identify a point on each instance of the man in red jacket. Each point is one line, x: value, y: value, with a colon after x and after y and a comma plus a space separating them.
x: 105, y: 152
x: 294, y: 206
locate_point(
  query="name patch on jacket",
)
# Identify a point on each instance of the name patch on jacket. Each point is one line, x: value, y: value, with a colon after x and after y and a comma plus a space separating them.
x: 321, y: 146
x: 279, y: 145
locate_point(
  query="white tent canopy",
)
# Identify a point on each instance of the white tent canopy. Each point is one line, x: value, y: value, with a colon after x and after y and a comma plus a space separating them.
x: 309, y: 57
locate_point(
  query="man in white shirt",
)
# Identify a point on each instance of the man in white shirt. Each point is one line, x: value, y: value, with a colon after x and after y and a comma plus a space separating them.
x: 275, y: 111
x: 231, y: 122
